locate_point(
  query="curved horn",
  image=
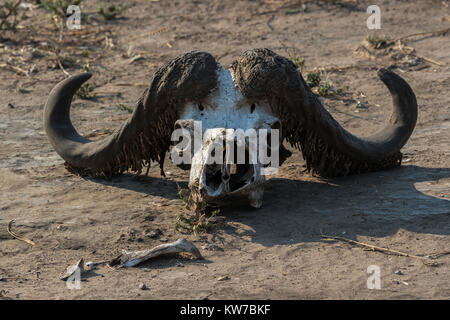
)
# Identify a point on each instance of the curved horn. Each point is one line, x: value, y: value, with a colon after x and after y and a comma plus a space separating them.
x: 145, y: 136
x: 327, y: 147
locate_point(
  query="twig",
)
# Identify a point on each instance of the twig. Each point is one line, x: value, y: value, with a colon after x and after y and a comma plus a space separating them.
x: 374, y: 248
x: 438, y: 32
x: 132, y: 258
x: 16, y: 69
x: 16, y: 236
x: 11, y: 11
x: 269, y: 21
x: 149, y: 34
x: 334, y: 68
x: 10, y: 278
x: 61, y: 30
x: 62, y: 68
x: 131, y: 84
x: 433, y: 61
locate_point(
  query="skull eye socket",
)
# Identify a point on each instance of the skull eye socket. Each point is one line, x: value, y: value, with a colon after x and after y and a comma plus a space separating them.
x: 177, y: 126
x: 252, y: 108
x: 276, y: 125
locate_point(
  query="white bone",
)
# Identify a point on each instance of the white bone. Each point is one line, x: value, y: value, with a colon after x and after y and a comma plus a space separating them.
x: 226, y: 108
x: 132, y: 258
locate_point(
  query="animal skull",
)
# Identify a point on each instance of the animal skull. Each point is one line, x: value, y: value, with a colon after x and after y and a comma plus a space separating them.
x: 239, y: 113
x: 224, y: 117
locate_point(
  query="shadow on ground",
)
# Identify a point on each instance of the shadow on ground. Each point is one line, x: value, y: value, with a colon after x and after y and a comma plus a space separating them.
x: 376, y: 204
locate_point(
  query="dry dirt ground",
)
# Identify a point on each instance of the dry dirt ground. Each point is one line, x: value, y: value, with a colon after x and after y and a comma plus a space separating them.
x: 275, y: 252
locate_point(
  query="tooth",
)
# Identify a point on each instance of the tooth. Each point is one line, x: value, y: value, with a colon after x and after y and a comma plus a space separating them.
x: 255, y: 197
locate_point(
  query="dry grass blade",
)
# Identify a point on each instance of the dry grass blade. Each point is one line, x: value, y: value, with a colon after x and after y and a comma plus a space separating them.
x: 149, y: 34
x: 269, y: 21
x: 14, y: 68
x: 438, y: 255
x: 374, y: 248
x: 16, y: 236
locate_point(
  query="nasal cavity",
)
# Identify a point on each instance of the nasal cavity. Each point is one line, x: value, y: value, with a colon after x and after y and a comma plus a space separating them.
x: 213, y: 173
x: 213, y: 157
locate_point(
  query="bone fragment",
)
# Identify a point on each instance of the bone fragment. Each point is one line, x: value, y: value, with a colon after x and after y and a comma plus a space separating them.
x: 79, y: 266
x: 132, y: 258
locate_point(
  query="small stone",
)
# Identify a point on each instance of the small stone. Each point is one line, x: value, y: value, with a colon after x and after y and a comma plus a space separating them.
x: 34, y: 69
x: 142, y: 286
x: 223, y: 278
x: 154, y: 233
x: 362, y: 105
x: 399, y: 272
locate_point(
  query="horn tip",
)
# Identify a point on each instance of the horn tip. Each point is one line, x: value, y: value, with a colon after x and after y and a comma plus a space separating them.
x: 388, y: 77
x: 71, y: 84
x: 81, y: 77
x: 383, y: 73
x: 85, y: 75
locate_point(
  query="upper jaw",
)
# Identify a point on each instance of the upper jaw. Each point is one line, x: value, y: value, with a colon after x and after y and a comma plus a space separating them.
x: 217, y: 181
x: 211, y: 180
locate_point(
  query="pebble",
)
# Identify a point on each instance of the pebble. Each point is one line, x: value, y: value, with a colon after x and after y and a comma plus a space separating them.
x: 154, y: 234
x: 223, y: 278
x: 142, y: 286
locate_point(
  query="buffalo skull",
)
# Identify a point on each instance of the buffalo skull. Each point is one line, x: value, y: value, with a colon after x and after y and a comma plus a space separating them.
x: 261, y: 91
